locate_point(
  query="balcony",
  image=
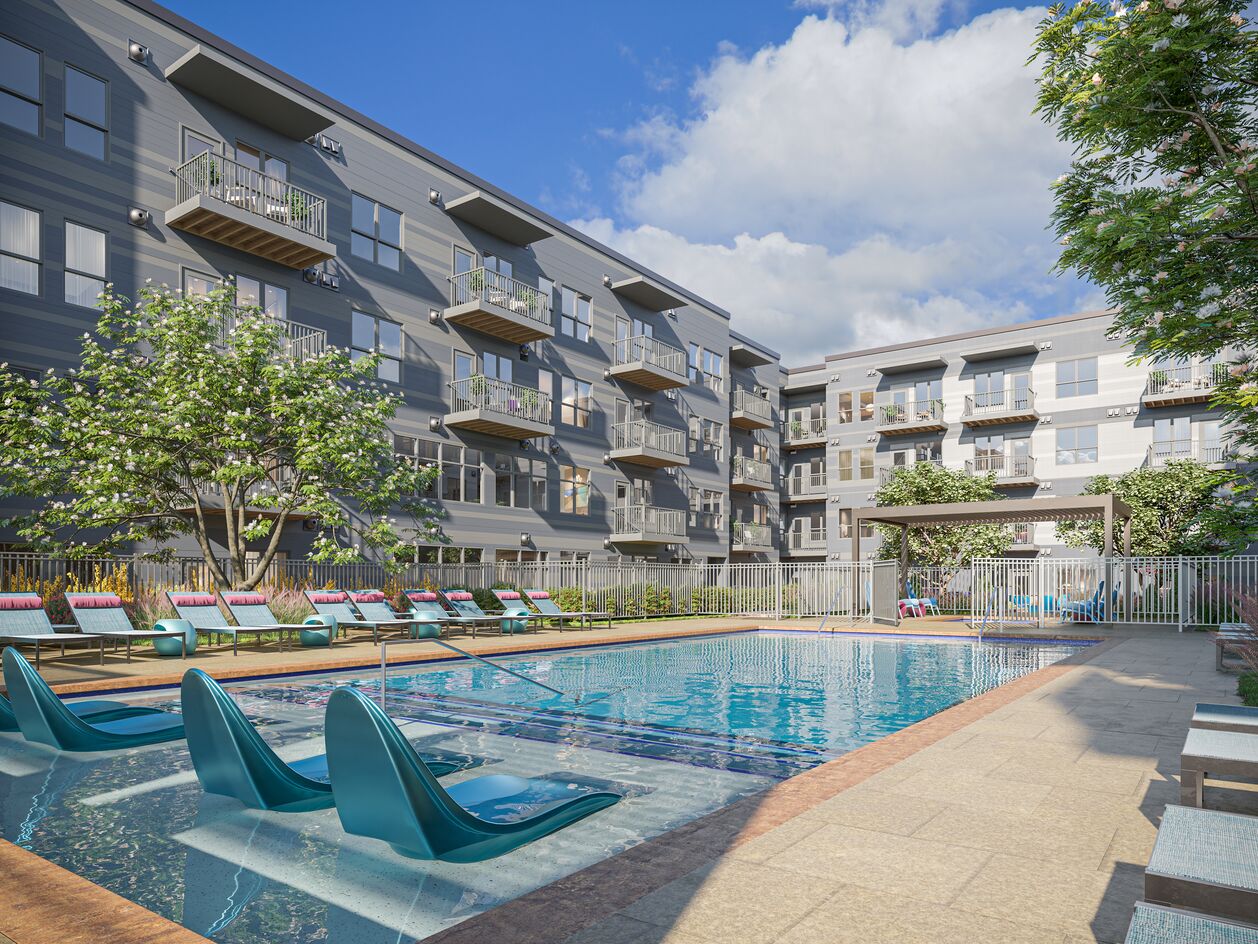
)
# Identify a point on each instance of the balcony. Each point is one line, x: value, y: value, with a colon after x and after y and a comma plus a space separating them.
x: 499, y: 306
x: 229, y: 203
x: 497, y: 217
x: 1010, y: 471
x: 1191, y: 383
x: 809, y: 541
x: 751, y: 538
x: 750, y: 475
x: 806, y: 488
x: 301, y: 342
x: 1015, y: 405
x: 886, y: 474
x: 915, y: 416
x: 800, y: 434
x: 647, y: 524
x: 1180, y: 450
x: 642, y: 442
x: 648, y: 363
x: 1023, y: 541
x: 497, y: 408
x: 749, y: 410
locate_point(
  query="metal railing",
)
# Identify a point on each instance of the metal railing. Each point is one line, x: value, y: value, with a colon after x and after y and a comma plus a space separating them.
x: 221, y: 178
x: 749, y: 534
x: 1023, y: 535
x: 806, y: 430
x: 887, y: 473
x: 810, y: 539
x: 300, y: 341
x: 801, y: 486
x: 1014, y: 399
x: 643, y: 434
x: 910, y: 413
x: 1005, y: 467
x: 752, y: 470
x: 498, y: 396
x: 649, y: 520
x: 747, y: 401
x: 486, y: 285
x: 1170, y: 450
x: 649, y: 351
x: 1186, y: 378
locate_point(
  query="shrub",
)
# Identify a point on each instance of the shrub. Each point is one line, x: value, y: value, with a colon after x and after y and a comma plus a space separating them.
x: 287, y: 603
x: 1247, y: 688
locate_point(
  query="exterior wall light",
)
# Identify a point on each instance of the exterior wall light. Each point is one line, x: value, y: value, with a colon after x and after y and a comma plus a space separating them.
x: 137, y: 52
x: 434, y: 315
x: 434, y: 423
x: 434, y: 196
x: 525, y: 538
x: 137, y: 216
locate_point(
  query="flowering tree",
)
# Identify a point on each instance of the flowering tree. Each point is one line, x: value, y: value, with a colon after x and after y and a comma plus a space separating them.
x: 189, y: 416
x: 1160, y: 206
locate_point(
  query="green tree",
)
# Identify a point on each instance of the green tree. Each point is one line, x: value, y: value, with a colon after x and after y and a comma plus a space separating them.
x: 925, y: 483
x: 1183, y: 507
x: 189, y: 416
x: 1160, y: 205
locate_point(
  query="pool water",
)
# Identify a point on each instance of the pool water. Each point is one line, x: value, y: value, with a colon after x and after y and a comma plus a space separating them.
x: 680, y: 728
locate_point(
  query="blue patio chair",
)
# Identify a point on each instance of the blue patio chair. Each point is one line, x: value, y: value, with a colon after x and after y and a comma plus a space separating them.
x: 338, y: 603
x: 1086, y: 611
x: 929, y: 603
x: 95, y: 710
x: 374, y: 605
x: 42, y: 716
x: 23, y: 622
x: 102, y: 614
x: 231, y: 758
x: 250, y: 608
x: 432, y: 619
x: 202, y: 611
x: 384, y: 790
x: 463, y: 603
x: 544, y: 605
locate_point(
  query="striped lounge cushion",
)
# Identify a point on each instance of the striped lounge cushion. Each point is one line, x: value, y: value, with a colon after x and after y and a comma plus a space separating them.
x: 193, y: 599
x: 24, y: 602
x: 95, y: 601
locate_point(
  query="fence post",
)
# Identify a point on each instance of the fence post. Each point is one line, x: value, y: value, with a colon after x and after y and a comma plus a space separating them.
x: 777, y: 572
x: 1040, y: 604
x: 1180, y: 595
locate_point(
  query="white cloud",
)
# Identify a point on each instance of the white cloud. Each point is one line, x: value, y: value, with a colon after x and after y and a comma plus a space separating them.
x: 847, y: 188
x: 904, y: 19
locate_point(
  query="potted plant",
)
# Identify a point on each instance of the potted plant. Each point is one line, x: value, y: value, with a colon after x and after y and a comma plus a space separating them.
x: 297, y: 209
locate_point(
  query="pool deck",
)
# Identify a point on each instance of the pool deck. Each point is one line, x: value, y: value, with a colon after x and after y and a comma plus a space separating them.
x: 1024, y: 815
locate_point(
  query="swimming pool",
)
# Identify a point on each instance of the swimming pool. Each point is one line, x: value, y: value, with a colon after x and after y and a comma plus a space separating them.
x: 680, y: 727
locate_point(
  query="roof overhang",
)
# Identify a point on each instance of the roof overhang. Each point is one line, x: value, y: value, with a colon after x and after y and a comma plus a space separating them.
x: 648, y: 293
x: 918, y: 363
x: 745, y: 355
x: 497, y: 217
x: 235, y: 86
x: 1005, y: 350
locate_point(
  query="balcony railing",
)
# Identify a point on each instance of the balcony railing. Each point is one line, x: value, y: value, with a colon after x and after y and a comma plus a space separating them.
x: 798, y: 431
x: 887, y: 473
x: 643, y: 434
x: 811, y: 539
x: 223, y: 179
x: 912, y: 414
x: 806, y: 486
x: 1012, y: 400
x: 1023, y: 535
x: 301, y: 342
x: 486, y: 285
x: 748, y: 534
x: 1208, y: 453
x: 649, y: 521
x: 752, y: 404
x: 649, y: 351
x: 1185, y: 380
x: 1005, y: 467
x: 497, y: 396
x: 752, y: 470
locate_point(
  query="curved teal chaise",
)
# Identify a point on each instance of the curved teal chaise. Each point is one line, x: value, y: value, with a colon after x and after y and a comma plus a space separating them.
x: 231, y: 758
x: 384, y: 790
x: 43, y: 717
x: 95, y: 710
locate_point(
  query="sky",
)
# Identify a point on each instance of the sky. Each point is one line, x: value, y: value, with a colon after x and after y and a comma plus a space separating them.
x: 835, y: 173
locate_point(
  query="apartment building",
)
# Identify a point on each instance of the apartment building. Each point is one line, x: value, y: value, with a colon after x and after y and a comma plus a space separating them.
x: 576, y: 403
x: 1044, y: 405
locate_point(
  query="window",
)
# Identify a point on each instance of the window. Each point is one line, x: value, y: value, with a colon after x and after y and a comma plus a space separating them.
x: 258, y: 160
x: 576, y: 314
x: 546, y: 388
x: 1076, y: 378
x: 87, y: 114
x: 707, y: 436
x: 85, y: 265
x: 845, y: 526
x: 845, y: 408
x: 928, y: 452
x: 867, y: 405
x: 577, y: 402
x: 272, y: 299
x: 705, y: 367
x: 195, y: 143
x: 198, y: 283
x: 376, y: 232
x: 464, y: 365
x: 845, y: 465
x: 20, y: 86
x: 574, y: 490
x: 369, y: 333
x: 19, y: 248
x: 867, y: 462
x: 497, y: 366
x: 519, y: 483
x: 1076, y: 444
x: 460, y: 467
x: 707, y: 508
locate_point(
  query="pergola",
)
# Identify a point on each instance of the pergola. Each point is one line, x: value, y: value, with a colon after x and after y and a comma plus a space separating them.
x: 1105, y: 508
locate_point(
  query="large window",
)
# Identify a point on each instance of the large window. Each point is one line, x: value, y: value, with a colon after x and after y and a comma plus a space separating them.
x: 262, y: 162
x: 20, y: 86
x: 19, y: 248
x: 376, y: 232
x: 198, y: 283
x: 845, y: 465
x: 706, y: 436
x: 574, y: 490
x: 707, y: 508
x: 576, y: 314
x: 460, y: 472
x: 577, y: 403
x: 705, y: 367
x: 1076, y: 378
x: 85, y: 265
x: 1076, y: 444
x: 519, y: 482
x: 87, y: 114
x: 866, y: 455
x: 252, y: 293
x: 370, y: 333
x: 867, y: 405
x: 845, y: 407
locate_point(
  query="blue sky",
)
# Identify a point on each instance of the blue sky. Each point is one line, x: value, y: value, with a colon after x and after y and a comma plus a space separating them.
x: 819, y: 169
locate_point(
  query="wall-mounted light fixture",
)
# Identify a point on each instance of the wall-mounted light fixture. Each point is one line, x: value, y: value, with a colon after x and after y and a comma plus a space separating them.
x: 311, y: 275
x: 607, y: 458
x: 137, y: 52
x: 434, y: 196
x: 525, y: 445
x: 607, y: 373
x: 434, y: 315
x: 434, y: 423
x: 525, y: 538
x: 524, y: 352
x: 607, y: 544
x: 138, y: 216
x: 554, y: 448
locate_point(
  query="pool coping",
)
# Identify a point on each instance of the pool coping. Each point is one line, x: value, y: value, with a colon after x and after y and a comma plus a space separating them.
x: 55, y: 904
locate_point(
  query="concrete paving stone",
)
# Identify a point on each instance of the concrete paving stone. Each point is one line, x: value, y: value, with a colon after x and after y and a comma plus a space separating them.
x: 1058, y: 836
x: 866, y: 808
x: 621, y: 929
x: 1102, y: 778
x: 777, y: 839
x: 973, y: 791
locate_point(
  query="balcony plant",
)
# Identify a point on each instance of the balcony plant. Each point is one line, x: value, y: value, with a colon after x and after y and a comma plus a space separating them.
x: 297, y: 207
x: 476, y: 387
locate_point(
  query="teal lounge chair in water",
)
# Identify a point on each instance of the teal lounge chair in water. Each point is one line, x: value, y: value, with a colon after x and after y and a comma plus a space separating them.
x: 42, y: 716
x: 231, y: 759
x: 385, y: 790
x: 95, y: 711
